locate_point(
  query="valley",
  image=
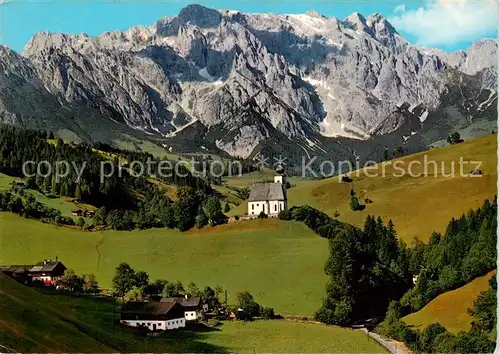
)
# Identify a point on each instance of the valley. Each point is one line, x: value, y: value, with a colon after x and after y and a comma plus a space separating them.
x: 280, y: 263
x: 185, y: 184
x: 33, y: 320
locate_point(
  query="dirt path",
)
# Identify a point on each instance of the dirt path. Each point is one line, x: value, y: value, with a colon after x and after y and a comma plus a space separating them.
x: 393, y: 346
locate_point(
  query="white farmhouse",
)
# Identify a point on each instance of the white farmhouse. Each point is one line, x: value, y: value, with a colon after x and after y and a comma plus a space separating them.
x: 194, y: 308
x: 154, y: 315
x: 269, y: 198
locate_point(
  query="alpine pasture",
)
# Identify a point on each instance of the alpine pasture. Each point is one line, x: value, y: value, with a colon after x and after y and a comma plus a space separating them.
x: 450, y: 308
x: 34, y: 320
x: 417, y: 205
x: 280, y: 263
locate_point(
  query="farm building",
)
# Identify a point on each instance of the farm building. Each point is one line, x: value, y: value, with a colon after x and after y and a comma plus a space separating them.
x: 269, y: 198
x: 154, y: 315
x: 47, y: 271
x: 77, y: 212
x: 193, y: 306
x: 19, y: 273
x: 17, y: 183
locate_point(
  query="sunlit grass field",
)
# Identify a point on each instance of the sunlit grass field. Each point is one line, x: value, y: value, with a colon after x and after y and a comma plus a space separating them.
x: 281, y: 336
x: 40, y: 321
x: 64, y: 205
x: 450, y: 308
x: 280, y: 263
x: 417, y: 205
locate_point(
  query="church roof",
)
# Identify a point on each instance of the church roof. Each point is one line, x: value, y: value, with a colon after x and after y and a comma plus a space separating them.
x: 266, y: 191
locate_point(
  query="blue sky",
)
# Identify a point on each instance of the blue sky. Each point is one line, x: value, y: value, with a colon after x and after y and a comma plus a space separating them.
x: 444, y: 24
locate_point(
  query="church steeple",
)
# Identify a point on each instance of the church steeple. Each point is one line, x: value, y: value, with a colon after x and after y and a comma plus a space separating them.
x: 281, y: 178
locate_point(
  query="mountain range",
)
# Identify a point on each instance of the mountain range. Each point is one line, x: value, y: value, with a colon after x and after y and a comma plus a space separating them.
x: 240, y: 84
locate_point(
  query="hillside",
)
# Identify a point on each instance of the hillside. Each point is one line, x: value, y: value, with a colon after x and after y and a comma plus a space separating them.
x: 36, y: 321
x: 30, y: 321
x: 63, y: 204
x: 416, y: 205
x: 280, y: 263
x: 450, y: 308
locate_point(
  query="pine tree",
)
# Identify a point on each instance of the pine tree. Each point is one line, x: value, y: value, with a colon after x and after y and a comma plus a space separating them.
x: 354, y: 203
x: 201, y: 219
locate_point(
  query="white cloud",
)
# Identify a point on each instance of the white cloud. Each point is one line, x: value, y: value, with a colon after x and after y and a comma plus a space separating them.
x: 4, y: 1
x: 446, y: 22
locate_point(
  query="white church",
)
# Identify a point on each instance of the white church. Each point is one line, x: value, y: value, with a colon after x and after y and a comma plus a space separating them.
x: 269, y: 198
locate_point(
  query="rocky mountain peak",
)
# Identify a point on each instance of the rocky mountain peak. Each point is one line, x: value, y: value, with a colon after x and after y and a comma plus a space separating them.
x: 356, y: 21
x: 314, y: 13
x: 248, y: 78
x: 379, y: 24
x: 200, y: 16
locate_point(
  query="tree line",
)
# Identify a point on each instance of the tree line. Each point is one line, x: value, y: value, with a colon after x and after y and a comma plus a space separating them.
x: 18, y: 145
x: 125, y: 202
x: 369, y: 267
x: 26, y: 205
x: 465, y: 251
x: 191, y: 208
x: 436, y: 339
x: 136, y: 286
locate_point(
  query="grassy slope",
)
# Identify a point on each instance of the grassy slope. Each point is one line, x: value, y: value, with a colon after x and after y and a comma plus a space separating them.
x: 280, y: 263
x: 450, y: 308
x: 31, y: 320
x: 5, y: 181
x: 280, y: 336
x: 417, y: 205
x: 62, y: 204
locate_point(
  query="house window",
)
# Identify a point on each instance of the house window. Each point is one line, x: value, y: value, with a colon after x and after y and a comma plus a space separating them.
x: 253, y: 205
x: 275, y: 207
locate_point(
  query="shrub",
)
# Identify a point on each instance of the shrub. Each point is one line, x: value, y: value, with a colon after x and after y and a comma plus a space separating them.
x: 262, y: 215
x: 454, y: 138
x: 63, y: 220
x: 301, y: 213
x: 285, y: 215
x: 427, y: 340
x: 268, y: 313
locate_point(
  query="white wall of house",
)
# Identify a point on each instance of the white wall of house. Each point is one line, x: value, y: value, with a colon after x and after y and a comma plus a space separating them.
x: 280, y: 179
x: 176, y: 323
x: 191, y: 315
x: 272, y: 207
x: 156, y: 325
x: 275, y: 206
x: 255, y: 208
x: 44, y: 278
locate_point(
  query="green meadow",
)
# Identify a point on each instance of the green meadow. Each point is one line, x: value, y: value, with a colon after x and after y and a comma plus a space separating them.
x: 450, y: 308
x: 280, y: 263
x: 417, y: 205
x: 34, y: 320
